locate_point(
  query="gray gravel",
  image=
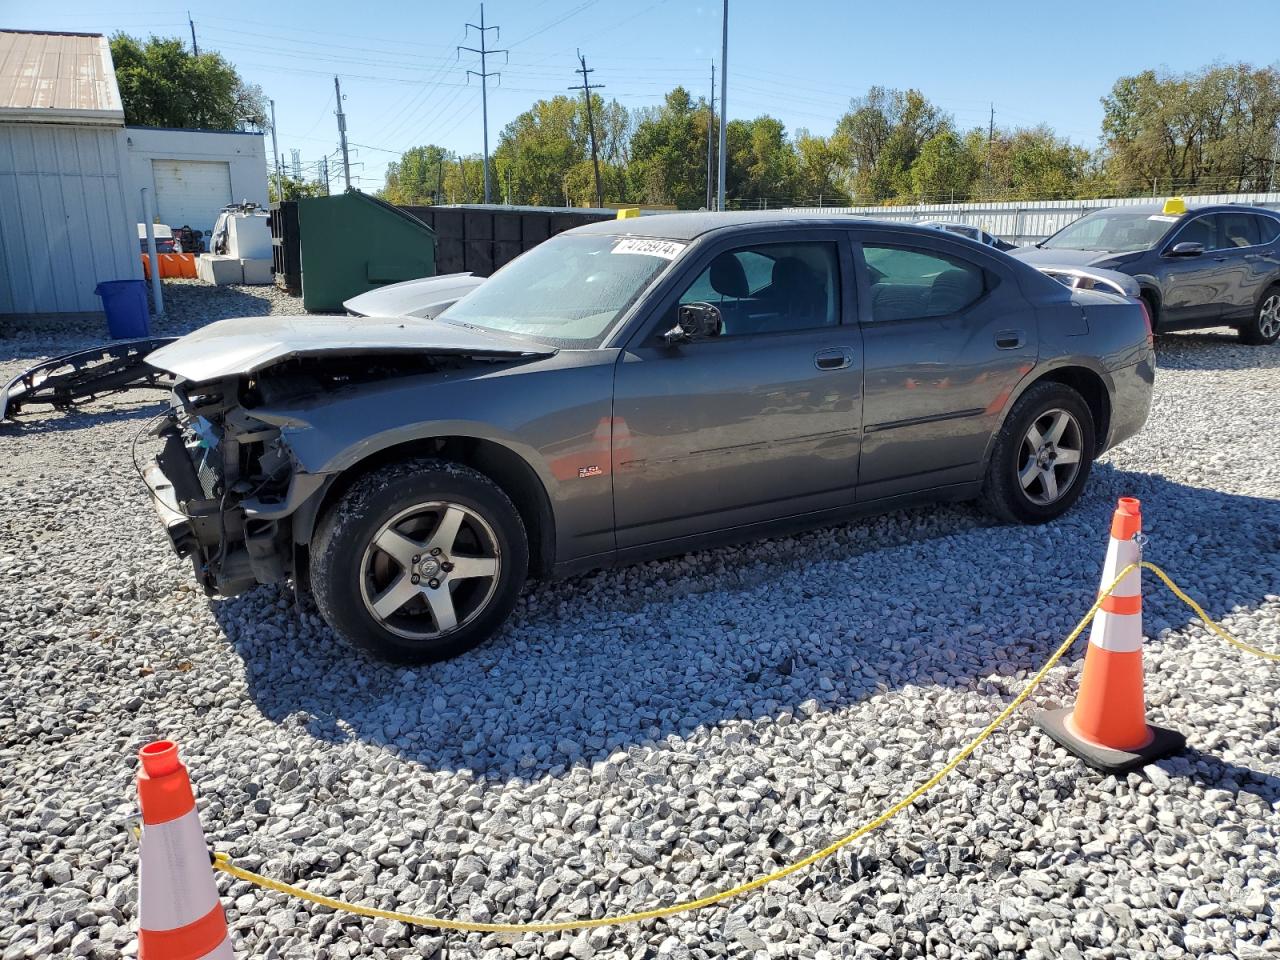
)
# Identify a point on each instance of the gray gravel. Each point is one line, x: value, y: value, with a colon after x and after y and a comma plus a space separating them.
x: 665, y: 730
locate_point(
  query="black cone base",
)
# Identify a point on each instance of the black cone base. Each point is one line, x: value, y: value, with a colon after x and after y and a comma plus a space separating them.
x: 1164, y: 743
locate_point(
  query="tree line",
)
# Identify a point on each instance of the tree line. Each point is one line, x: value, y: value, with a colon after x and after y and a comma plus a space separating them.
x: 1212, y: 130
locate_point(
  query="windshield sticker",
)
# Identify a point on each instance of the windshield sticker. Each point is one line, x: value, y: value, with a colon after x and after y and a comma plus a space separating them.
x: 666, y: 249
x: 1162, y: 218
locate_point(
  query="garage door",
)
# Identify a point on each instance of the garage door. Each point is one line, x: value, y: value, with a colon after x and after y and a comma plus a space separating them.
x: 191, y: 192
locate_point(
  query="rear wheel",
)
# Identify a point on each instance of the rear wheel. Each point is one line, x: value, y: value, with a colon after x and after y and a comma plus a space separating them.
x: 1042, y: 456
x: 1264, y: 328
x: 420, y: 561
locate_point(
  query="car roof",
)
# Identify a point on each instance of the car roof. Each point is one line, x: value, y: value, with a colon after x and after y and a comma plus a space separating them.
x: 692, y: 225
x: 1157, y: 206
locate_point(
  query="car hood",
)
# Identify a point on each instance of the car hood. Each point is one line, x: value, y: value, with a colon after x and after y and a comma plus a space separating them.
x: 248, y: 344
x: 1038, y: 256
x: 428, y: 297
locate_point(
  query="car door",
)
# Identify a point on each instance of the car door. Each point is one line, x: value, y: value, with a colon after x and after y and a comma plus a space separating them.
x: 757, y: 423
x: 1192, y: 289
x: 947, y: 335
x: 1238, y: 241
x: 1264, y: 259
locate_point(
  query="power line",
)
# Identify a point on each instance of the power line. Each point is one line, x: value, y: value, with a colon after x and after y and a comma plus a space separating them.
x: 591, y: 125
x: 484, y: 74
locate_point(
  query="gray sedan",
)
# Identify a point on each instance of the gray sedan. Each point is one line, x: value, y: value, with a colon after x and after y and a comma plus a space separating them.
x: 631, y: 389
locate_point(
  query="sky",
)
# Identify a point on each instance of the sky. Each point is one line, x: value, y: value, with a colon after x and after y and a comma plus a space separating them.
x: 404, y: 83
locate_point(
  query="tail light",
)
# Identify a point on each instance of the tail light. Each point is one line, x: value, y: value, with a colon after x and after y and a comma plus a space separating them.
x: 1146, y: 318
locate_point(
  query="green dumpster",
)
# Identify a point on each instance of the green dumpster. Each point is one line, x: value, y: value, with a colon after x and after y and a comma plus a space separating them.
x: 352, y: 242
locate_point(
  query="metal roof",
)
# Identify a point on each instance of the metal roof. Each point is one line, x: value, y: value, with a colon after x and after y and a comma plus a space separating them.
x: 58, y: 78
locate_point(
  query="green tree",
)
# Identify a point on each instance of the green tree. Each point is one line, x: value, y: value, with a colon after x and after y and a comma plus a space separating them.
x: 944, y: 170
x: 295, y: 189
x: 668, y: 161
x: 880, y: 138
x: 415, y: 177
x: 162, y: 85
x: 1214, y: 129
x: 761, y: 164
x: 818, y: 172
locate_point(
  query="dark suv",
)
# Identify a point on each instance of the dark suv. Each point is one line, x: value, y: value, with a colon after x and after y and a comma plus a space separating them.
x: 1203, y: 266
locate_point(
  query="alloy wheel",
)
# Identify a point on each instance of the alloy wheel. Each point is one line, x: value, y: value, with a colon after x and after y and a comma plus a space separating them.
x: 430, y: 570
x: 1049, y: 460
x: 1269, y: 317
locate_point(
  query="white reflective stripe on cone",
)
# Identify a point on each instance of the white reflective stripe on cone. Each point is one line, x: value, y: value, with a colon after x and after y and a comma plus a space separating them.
x: 1121, y: 553
x: 1117, y: 632
x: 176, y: 881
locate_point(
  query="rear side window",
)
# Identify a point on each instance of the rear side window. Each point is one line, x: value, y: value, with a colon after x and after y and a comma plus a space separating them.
x: 1268, y: 229
x: 1237, y: 230
x: 912, y: 284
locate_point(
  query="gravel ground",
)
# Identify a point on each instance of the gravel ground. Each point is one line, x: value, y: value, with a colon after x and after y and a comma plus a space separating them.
x: 661, y: 731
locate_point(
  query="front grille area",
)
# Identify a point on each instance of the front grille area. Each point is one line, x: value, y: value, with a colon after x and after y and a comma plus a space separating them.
x: 208, y: 474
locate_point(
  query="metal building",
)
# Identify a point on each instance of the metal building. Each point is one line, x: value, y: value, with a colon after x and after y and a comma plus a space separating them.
x: 66, y: 211
x: 193, y: 174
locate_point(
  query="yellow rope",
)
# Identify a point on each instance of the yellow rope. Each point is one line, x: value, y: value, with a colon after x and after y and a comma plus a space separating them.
x: 223, y: 862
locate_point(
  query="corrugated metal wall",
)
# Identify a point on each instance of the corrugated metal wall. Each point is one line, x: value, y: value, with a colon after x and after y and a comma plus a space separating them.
x: 64, y: 216
x: 1029, y: 220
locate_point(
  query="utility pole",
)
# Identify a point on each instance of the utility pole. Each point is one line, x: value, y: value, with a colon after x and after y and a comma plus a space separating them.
x: 195, y: 50
x: 724, y: 103
x: 484, y: 75
x: 275, y: 150
x: 591, y: 123
x: 462, y: 178
x: 711, y: 125
x: 439, y: 175
x: 342, y: 132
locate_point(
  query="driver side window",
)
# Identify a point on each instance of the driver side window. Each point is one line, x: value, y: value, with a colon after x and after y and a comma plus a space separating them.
x: 771, y: 288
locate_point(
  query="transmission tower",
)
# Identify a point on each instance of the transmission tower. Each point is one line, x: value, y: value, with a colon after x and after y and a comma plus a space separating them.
x: 484, y: 74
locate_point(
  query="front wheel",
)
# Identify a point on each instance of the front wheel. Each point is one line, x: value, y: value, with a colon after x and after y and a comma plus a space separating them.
x: 420, y: 561
x: 1042, y: 456
x: 1264, y: 328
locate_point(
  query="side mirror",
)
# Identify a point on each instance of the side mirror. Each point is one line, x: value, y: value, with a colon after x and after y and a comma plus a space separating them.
x: 695, y: 321
x: 1187, y: 248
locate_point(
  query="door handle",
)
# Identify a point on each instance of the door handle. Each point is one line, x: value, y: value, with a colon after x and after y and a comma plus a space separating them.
x: 836, y: 358
x: 1220, y: 259
x: 1010, y: 339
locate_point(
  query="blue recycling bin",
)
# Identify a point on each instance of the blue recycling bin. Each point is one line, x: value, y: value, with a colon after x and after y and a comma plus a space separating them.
x: 125, y: 304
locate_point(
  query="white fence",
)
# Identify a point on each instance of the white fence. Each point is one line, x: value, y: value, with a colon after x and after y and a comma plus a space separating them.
x: 1026, y: 221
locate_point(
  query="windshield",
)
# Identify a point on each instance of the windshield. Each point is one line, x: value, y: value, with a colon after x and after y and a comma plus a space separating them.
x: 1112, y: 231
x: 567, y: 291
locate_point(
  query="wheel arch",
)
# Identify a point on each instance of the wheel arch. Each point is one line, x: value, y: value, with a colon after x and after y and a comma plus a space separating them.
x: 504, y: 466
x: 1091, y: 384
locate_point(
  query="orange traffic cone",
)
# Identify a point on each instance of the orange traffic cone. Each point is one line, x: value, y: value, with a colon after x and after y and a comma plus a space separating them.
x: 179, y: 914
x: 1108, y: 728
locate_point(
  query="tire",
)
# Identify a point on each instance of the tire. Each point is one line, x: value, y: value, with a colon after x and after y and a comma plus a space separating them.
x: 1040, y: 500
x: 1264, y: 328
x: 377, y: 581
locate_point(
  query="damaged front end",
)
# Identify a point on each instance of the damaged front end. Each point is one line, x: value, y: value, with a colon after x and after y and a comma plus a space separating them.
x: 224, y: 483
